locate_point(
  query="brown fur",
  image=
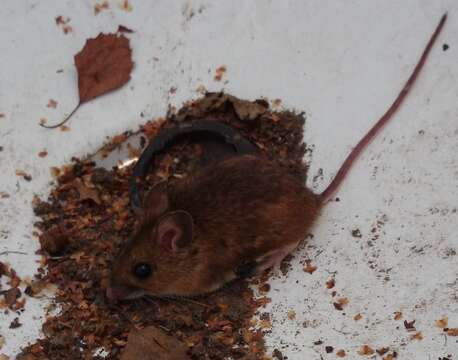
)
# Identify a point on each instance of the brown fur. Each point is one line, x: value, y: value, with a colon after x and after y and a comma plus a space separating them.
x: 242, y: 208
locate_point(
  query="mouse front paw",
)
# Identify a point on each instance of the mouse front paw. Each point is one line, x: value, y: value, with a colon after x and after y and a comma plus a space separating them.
x: 247, y: 270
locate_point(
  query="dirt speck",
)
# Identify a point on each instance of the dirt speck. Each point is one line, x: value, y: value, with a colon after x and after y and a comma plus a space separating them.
x: 356, y: 233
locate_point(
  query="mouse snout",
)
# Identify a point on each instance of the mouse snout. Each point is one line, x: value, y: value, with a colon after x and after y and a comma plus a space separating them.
x: 123, y: 293
x: 115, y: 293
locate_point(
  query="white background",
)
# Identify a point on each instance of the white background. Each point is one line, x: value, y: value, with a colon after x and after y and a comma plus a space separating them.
x: 340, y: 62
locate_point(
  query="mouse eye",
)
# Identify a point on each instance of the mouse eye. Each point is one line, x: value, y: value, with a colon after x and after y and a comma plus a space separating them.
x: 142, y: 270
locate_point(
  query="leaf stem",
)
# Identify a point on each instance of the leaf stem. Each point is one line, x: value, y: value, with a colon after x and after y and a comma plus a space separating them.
x: 63, y: 121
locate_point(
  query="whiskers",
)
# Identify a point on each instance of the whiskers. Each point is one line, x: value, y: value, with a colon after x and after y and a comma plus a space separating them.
x: 174, y: 298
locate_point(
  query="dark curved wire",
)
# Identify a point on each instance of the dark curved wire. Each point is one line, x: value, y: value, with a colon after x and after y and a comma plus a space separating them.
x: 170, y: 136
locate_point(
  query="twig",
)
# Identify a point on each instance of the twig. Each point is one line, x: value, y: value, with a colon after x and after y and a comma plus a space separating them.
x: 188, y: 300
x: 163, y: 328
x: 12, y: 252
x: 150, y: 299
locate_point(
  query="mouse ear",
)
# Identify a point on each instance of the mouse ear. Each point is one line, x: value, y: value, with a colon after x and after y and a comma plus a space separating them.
x: 175, y: 230
x: 156, y: 201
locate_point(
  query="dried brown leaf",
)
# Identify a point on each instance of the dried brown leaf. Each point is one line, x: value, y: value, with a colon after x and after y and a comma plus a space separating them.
x: 35, y: 288
x: 382, y: 351
x: 11, y: 295
x: 152, y: 343
x: 247, y: 110
x: 104, y: 64
x: 86, y: 193
x: 55, y: 240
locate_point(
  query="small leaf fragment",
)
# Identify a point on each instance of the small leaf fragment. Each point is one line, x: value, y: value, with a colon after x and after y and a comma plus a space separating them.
x: 265, y: 324
x: 102, y: 6
x: 365, y: 350
x: 309, y: 268
x: 51, y: 104
x: 85, y: 192
x: 341, y: 353
x: 23, y: 174
x: 247, y: 110
x: 339, y: 305
x: 124, y: 29
x: 330, y: 283
x: 409, y: 325
x: 417, y: 336
x: 276, y: 103
x: 220, y: 71
x: 152, y: 343
x: 442, y: 323
x: 126, y: 6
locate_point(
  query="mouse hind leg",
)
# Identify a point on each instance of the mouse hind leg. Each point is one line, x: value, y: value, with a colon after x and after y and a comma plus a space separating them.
x: 264, y: 262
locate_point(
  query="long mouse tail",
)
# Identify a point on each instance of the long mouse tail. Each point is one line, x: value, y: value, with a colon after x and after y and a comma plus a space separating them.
x: 335, y: 183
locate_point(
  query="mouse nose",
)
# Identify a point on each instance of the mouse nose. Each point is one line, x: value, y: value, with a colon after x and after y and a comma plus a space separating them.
x: 111, y: 293
x: 116, y: 293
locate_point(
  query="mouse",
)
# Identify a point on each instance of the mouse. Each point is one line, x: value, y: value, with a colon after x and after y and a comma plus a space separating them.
x: 237, y: 217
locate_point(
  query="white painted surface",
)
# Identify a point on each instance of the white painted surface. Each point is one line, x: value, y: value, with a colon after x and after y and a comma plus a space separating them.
x: 340, y: 62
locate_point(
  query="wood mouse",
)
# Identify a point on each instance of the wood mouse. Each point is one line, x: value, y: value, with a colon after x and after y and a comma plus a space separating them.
x: 245, y: 212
